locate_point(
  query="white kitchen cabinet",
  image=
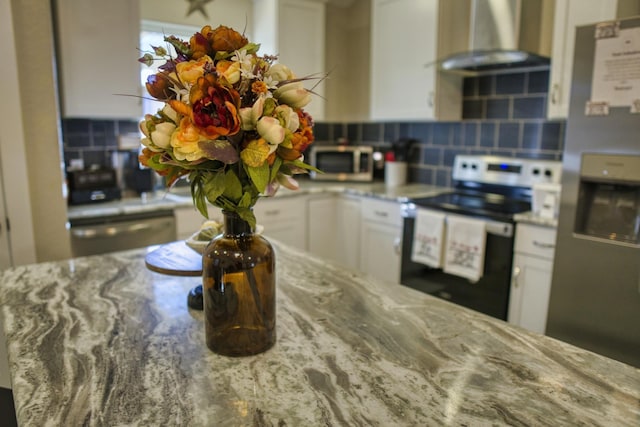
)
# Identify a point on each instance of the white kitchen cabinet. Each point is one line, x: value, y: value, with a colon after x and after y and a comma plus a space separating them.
x: 380, y: 239
x: 323, y: 211
x: 531, y: 278
x: 97, y: 54
x: 284, y: 219
x: 189, y: 220
x: 348, y: 217
x: 295, y: 31
x: 568, y: 15
x: 407, y: 39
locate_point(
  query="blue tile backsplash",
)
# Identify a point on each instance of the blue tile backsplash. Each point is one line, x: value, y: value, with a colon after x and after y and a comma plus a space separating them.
x: 503, y: 114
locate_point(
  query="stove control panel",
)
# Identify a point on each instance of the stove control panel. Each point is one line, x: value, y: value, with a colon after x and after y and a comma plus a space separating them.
x: 506, y: 170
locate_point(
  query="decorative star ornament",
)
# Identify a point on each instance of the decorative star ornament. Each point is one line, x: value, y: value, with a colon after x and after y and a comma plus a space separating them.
x: 198, y: 6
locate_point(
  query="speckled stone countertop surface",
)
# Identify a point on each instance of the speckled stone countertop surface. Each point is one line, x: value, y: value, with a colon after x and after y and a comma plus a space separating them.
x: 182, y: 198
x: 102, y: 341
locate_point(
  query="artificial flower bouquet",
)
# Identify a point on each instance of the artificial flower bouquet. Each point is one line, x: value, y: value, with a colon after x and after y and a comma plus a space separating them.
x: 233, y: 121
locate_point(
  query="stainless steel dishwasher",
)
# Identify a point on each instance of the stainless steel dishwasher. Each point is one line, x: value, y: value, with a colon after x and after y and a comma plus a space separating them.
x: 98, y: 235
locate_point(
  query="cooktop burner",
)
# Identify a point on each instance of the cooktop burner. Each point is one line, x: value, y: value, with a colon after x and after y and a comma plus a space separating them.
x: 478, y: 204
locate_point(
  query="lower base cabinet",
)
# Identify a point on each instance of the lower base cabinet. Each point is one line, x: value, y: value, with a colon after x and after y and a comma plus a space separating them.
x: 380, y: 239
x: 531, y: 276
x: 284, y: 219
x: 334, y: 229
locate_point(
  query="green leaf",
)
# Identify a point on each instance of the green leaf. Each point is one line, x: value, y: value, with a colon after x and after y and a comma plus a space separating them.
x: 259, y: 176
x: 248, y: 215
x: 214, y: 185
x: 232, y: 186
x: 303, y: 165
x: 198, y: 195
x: 275, y: 168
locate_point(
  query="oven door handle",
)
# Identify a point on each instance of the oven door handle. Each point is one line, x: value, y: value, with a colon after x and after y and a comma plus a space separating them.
x: 505, y: 229
x: 112, y: 230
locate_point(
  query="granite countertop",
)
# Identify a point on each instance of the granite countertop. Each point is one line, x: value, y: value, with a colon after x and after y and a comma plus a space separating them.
x: 103, y: 341
x: 182, y: 198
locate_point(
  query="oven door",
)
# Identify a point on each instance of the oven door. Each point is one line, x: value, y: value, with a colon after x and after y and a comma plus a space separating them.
x: 489, y: 295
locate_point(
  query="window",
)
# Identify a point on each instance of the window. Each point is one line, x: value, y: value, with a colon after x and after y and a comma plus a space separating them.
x: 152, y: 34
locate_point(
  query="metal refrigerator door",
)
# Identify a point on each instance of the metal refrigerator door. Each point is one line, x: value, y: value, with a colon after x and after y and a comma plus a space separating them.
x: 595, y: 293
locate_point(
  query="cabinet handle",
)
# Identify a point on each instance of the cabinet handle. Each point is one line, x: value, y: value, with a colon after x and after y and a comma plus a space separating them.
x: 543, y: 245
x: 555, y: 91
x: 272, y: 212
x: 397, y: 247
x: 381, y: 213
x: 516, y: 274
x: 431, y: 97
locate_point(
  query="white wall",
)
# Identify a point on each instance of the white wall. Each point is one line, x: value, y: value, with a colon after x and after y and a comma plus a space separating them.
x: 14, y: 167
x: 231, y: 13
x: 33, y: 30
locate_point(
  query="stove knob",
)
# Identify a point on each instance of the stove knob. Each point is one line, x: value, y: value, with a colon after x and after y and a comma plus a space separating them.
x: 548, y: 173
x: 536, y: 171
x: 464, y: 165
x: 474, y: 166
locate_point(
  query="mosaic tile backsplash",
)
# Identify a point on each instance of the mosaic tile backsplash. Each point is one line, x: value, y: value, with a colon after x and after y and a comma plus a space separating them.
x: 502, y: 114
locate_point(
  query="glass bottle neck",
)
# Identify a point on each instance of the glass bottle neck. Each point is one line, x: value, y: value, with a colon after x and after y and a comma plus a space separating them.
x: 234, y: 225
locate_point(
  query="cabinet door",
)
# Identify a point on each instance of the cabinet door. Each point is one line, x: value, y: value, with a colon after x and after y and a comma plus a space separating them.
x: 403, y: 51
x: 568, y: 15
x: 98, y: 45
x: 189, y: 220
x: 380, y: 250
x: 295, y: 31
x: 323, y: 233
x: 530, y: 288
x: 284, y: 219
x: 301, y: 45
x: 348, y: 232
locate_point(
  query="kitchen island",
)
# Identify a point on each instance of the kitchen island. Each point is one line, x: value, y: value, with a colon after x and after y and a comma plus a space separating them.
x: 103, y: 341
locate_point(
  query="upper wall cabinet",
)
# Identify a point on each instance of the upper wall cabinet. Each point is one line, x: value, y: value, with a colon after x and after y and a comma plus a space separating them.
x: 568, y: 15
x: 97, y: 53
x: 295, y: 31
x: 407, y: 39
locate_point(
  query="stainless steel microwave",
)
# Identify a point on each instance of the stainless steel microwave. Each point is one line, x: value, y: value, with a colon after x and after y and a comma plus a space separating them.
x: 342, y: 163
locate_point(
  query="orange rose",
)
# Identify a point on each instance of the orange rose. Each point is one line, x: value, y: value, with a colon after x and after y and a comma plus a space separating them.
x: 185, y: 141
x: 190, y: 71
x: 158, y: 85
x: 225, y: 39
x: 199, y: 45
x: 229, y: 70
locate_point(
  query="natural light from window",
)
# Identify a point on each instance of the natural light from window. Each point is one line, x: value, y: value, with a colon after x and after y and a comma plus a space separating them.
x: 152, y: 34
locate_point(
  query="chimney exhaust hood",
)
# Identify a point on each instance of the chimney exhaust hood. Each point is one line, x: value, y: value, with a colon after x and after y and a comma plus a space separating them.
x: 505, y: 35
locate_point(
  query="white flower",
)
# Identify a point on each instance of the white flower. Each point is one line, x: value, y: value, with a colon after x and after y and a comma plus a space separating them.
x: 288, y: 117
x: 280, y: 72
x: 161, y: 136
x: 293, y: 94
x: 249, y: 116
x: 270, y: 82
x: 269, y: 128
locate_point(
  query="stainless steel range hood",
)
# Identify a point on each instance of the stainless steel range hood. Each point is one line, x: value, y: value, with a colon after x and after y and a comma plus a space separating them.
x: 505, y: 34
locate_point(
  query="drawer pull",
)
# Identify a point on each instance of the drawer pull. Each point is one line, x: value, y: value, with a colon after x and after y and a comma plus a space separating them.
x: 381, y: 213
x: 543, y: 245
x: 272, y: 212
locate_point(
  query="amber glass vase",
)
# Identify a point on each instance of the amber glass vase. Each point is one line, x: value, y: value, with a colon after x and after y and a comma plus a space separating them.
x: 239, y: 290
